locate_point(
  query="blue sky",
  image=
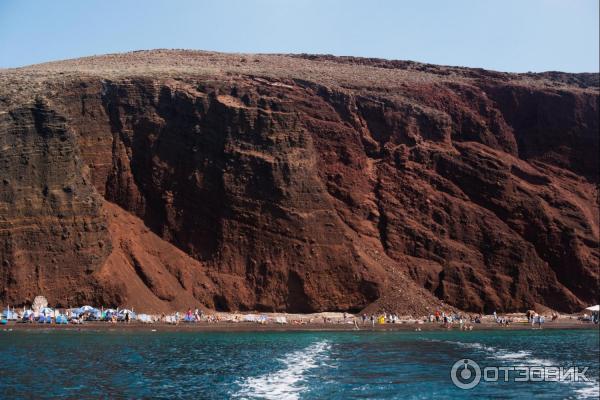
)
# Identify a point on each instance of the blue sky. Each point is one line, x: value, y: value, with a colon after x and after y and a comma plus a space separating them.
x: 507, y: 35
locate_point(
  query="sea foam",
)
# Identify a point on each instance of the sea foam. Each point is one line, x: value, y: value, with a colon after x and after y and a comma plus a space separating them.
x: 583, y: 390
x: 289, y: 381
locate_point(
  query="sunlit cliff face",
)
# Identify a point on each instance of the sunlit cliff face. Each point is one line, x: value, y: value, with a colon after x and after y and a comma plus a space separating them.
x: 174, y: 179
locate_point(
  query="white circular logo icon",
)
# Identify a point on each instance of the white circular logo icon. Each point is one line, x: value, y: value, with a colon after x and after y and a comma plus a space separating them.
x: 465, y: 374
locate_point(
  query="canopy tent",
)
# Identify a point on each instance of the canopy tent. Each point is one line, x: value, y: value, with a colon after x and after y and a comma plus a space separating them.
x: 44, y: 319
x: 47, y: 311
x: 121, y: 314
x: 85, y: 309
x: 595, y: 308
x: 89, y: 310
x: 108, y: 314
x: 189, y: 318
x: 10, y: 315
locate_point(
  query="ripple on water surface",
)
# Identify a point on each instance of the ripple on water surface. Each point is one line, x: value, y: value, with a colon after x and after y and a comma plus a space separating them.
x: 284, y: 365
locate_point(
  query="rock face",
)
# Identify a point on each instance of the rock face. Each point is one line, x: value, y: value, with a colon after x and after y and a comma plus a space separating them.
x: 170, y: 179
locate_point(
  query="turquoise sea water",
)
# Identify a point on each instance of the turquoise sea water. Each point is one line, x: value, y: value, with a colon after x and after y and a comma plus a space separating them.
x: 305, y: 365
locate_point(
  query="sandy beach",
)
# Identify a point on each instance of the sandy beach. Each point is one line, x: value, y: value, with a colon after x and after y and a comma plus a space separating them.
x: 226, y: 326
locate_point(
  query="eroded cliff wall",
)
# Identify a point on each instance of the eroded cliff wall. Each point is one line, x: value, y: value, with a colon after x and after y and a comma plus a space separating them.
x: 279, y: 183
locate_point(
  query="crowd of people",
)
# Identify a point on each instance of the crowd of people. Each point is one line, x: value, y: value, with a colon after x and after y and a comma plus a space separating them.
x: 447, y: 319
x: 465, y: 322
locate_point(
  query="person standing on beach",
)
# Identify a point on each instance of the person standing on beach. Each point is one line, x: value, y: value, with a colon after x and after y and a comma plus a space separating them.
x: 373, y: 320
x: 364, y: 318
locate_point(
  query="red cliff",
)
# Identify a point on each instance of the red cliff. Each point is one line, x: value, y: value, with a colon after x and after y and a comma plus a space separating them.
x: 169, y: 179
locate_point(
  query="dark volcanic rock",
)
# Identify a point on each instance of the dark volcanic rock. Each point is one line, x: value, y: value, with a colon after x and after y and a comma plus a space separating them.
x: 169, y: 179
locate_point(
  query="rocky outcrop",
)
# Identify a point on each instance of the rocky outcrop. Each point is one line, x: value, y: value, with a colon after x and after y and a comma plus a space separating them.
x: 167, y: 179
x: 52, y: 237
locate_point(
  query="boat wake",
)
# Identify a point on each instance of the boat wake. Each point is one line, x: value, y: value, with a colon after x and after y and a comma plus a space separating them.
x: 584, y: 390
x: 288, y: 382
